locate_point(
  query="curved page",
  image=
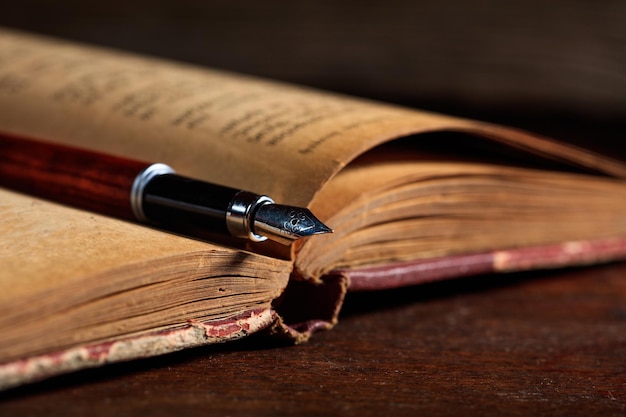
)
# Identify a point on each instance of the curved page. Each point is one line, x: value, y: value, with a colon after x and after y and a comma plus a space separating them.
x: 239, y: 131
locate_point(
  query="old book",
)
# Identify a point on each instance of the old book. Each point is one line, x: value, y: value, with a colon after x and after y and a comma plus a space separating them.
x: 412, y: 196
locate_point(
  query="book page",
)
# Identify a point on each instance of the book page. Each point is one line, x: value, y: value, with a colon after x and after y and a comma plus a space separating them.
x: 70, y: 277
x: 247, y: 133
x: 48, y: 245
x: 51, y: 247
x: 385, y: 212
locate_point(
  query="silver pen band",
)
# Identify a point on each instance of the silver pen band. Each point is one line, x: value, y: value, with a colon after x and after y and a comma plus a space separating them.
x: 240, y: 215
x: 139, y: 184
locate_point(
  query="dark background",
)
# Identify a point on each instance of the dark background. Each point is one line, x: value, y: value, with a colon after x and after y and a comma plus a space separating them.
x: 543, y: 343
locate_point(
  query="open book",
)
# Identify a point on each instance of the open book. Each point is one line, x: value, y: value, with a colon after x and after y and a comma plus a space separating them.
x: 412, y: 196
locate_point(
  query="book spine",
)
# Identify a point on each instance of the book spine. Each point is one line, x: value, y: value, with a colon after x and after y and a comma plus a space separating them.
x: 559, y: 255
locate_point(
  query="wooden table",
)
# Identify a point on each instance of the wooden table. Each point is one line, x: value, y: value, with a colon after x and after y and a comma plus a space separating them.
x: 543, y: 343
x: 547, y: 343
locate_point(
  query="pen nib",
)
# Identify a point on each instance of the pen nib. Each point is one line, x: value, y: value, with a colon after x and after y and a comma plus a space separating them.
x: 286, y: 223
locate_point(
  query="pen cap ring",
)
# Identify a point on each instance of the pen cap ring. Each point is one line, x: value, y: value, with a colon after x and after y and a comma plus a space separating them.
x: 139, y: 185
x: 240, y: 215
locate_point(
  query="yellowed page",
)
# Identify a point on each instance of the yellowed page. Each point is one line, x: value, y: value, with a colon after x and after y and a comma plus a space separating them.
x: 390, y: 211
x: 69, y: 277
x: 248, y: 133
x: 38, y: 237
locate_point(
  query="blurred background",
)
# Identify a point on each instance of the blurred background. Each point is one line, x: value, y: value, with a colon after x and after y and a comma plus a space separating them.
x: 556, y: 67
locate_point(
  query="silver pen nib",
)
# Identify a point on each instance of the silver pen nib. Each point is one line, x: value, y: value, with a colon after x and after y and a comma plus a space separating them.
x: 285, y: 224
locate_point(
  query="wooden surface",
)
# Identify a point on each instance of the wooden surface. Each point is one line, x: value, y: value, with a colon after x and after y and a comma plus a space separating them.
x: 549, y: 343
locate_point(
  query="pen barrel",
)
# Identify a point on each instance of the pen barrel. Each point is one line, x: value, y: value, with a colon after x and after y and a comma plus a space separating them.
x: 171, y: 199
x: 75, y: 177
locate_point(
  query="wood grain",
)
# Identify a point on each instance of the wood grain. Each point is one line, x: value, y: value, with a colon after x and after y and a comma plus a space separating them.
x: 75, y: 177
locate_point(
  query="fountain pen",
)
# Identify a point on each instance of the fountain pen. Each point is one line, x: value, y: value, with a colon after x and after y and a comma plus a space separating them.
x: 147, y: 192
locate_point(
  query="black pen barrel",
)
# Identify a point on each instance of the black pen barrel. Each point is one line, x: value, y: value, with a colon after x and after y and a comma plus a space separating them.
x: 171, y: 199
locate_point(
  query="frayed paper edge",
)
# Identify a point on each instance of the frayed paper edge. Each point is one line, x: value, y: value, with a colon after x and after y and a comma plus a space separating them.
x: 145, y: 345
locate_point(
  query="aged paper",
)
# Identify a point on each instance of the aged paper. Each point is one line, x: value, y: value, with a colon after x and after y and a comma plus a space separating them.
x: 239, y: 131
x: 69, y: 276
